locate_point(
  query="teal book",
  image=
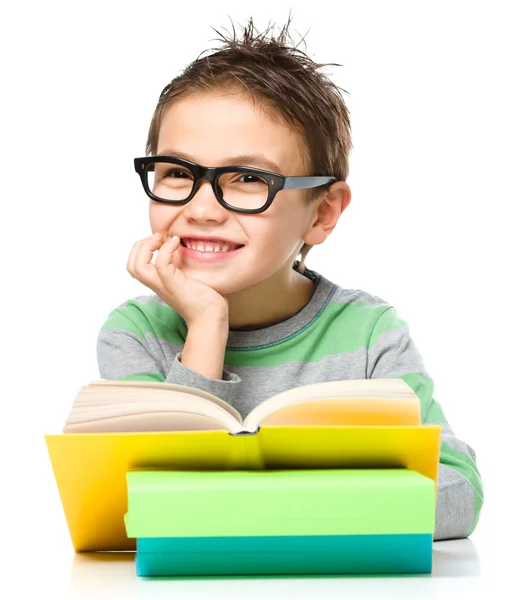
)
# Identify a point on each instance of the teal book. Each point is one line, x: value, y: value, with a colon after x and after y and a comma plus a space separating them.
x: 284, y: 555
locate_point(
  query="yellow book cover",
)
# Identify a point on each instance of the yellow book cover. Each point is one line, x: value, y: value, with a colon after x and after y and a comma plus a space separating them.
x: 90, y: 468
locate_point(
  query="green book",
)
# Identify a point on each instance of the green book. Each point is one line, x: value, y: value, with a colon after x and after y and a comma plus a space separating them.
x: 279, y: 503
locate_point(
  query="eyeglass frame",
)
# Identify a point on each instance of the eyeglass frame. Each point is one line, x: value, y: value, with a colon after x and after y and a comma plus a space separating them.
x: 275, y: 181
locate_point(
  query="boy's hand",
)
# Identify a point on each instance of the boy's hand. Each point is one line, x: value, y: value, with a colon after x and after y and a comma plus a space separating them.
x: 194, y: 301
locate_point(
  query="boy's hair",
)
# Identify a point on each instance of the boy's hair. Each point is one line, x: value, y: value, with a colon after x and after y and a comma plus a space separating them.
x: 287, y: 83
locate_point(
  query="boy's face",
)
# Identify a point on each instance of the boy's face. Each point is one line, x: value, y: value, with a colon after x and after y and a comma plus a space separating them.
x: 212, y: 130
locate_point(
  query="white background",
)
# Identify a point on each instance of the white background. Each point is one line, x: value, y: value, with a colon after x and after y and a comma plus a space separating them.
x: 431, y: 226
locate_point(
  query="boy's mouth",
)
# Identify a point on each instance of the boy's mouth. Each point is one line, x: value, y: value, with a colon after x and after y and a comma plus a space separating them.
x: 213, y: 245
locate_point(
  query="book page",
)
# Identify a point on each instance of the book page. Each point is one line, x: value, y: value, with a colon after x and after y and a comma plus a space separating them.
x: 173, y: 387
x: 346, y: 402
x: 165, y: 402
x: 152, y: 421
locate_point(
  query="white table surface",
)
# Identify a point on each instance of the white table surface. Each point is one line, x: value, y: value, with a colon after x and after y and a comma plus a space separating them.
x: 456, y: 568
x: 475, y: 567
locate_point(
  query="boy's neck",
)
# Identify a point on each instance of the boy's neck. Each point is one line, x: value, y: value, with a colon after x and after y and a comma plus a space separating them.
x: 270, y: 301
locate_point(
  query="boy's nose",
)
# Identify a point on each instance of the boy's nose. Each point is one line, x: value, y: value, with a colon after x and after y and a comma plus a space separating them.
x: 204, y: 204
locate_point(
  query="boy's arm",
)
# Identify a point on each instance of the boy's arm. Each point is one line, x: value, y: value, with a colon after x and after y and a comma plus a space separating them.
x: 204, y: 348
x: 127, y: 349
x: 392, y: 353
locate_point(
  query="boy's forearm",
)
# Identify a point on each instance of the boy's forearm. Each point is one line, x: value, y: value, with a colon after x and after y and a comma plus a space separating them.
x: 204, y: 348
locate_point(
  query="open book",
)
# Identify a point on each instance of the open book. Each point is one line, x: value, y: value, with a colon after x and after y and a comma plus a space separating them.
x: 136, y: 406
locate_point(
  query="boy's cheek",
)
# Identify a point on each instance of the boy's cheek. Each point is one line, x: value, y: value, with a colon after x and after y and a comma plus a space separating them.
x: 162, y: 215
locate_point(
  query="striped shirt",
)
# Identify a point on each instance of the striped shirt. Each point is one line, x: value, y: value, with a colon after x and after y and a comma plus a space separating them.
x: 339, y: 334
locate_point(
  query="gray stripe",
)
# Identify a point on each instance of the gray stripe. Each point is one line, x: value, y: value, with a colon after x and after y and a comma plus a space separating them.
x: 349, y: 296
x: 143, y: 299
x: 454, y: 505
x: 450, y: 438
x: 122, y: 353
x: 393, y: 354
x: 226, y: 388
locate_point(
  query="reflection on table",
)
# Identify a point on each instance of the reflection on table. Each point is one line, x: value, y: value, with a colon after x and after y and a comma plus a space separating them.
x: 456, y: 566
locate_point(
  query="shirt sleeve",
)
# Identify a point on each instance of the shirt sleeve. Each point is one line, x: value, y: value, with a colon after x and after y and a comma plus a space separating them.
x: 125, y: 352
x: 392, y: 353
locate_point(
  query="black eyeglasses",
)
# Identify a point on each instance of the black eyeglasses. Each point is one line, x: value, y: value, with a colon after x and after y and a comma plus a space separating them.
x: 248, y: 190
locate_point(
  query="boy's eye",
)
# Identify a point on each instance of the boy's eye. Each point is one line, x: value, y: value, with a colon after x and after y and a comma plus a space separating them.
x: 247, y: 178
x: 177, y: 174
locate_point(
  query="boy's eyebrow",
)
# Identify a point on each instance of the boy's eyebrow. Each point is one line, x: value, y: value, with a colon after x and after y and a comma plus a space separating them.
x: 244, y: 160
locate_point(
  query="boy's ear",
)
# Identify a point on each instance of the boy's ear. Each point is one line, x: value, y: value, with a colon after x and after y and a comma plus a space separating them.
x: 327, y: 212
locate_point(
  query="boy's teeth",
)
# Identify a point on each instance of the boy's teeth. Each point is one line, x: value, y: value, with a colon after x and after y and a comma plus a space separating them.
x: 209, y: 246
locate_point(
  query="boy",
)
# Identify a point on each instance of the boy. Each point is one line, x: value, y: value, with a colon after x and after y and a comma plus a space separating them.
x: 233, y: 312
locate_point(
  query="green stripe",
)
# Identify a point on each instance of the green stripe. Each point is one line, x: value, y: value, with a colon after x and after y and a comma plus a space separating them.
x: 143, y: 377
x: 465, y: 466
x: 350, y: 325
x: 150, y: 317
x: 430, y: 410
x: 387, y: 320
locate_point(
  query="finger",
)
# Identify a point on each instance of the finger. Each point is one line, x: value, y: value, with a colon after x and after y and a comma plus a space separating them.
x: 130, y: 266
x: 163, y: 262
x: 143, y: 268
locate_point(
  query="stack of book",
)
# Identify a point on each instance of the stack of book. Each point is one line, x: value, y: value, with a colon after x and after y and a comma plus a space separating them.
x: 333, y: 477
x: 278, y: 522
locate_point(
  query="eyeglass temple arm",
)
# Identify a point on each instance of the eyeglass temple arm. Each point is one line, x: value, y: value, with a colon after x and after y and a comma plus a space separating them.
x: 301, y: 183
